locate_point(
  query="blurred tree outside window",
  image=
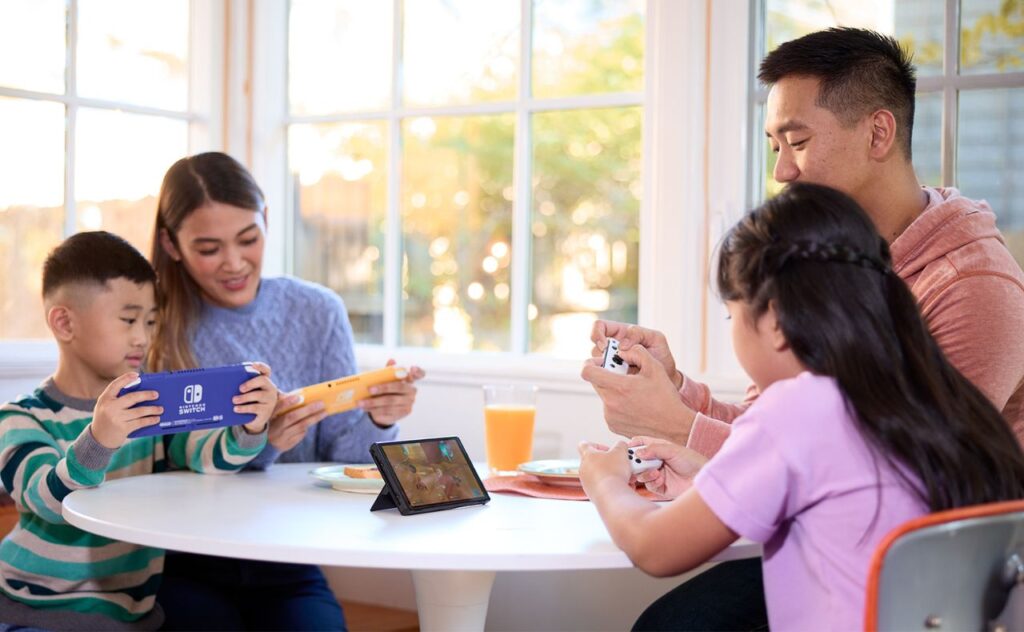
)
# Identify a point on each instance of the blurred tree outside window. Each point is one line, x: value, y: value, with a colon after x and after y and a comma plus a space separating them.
x: 432, y: 157
x: 983, y: 70
x: 85, y: 143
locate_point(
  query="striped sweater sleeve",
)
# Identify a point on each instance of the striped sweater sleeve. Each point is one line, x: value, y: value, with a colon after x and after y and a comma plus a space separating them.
x: 37, y: 472
x: 215, y: 451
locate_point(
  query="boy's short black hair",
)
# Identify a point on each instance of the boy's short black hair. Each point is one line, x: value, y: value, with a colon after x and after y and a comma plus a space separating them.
x: 94, y: 257
x: 860, y: 71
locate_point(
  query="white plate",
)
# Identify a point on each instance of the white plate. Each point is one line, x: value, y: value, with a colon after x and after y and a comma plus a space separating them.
x: 565, y: 472
x: 335, y: 476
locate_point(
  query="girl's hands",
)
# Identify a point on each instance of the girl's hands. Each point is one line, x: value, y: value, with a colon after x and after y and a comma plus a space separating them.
x: 599, y: 465
x: 114, y: 419
x: 392, y: 401
x: 257, y: 396
x: 676, y: 474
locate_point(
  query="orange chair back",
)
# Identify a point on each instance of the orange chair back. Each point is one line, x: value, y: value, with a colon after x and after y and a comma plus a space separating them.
x: 931, y: 521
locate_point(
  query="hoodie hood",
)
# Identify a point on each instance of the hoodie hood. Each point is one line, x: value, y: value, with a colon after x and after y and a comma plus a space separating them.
x: 949, y: 222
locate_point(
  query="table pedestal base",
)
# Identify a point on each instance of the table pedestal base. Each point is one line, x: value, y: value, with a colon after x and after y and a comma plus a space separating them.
x: 452, y: 600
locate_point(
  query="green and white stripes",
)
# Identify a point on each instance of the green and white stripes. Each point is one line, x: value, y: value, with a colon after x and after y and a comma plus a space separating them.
x: 46, y: 452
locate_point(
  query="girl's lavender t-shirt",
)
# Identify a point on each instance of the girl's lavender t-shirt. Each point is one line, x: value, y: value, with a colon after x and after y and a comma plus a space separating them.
x: 797, y: 475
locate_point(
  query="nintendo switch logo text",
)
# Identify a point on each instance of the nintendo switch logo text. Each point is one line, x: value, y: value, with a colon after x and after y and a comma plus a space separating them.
x: 193, y: 393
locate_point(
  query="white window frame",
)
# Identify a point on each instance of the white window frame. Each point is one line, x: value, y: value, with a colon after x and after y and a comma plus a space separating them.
x: 679, y: 194
x: 949, y: 83
x: 20, y: 358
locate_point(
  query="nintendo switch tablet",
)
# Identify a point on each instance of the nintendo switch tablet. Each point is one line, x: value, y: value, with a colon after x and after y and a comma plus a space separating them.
x: 194, y: 399
x: 344, y: 393
x: 426, y: 475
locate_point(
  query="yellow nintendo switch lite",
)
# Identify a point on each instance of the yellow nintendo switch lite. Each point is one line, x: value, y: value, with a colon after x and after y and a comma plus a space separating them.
x: 344, y: 393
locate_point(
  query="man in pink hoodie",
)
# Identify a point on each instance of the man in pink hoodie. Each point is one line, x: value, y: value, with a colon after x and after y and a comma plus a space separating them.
x: 840, y: 113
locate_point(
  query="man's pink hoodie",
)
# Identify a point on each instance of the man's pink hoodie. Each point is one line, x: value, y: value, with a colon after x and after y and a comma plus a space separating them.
x: 971, y: 293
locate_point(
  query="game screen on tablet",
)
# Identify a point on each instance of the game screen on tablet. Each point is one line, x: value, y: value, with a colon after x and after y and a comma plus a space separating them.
x: 432, y: 472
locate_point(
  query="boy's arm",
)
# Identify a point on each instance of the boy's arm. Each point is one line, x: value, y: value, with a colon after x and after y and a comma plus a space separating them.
x: 35, y: 472
x: 215, y: 451
x: 224, y: 450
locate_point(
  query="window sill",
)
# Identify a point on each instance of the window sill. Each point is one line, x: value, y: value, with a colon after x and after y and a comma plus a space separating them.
x: 475, y: 369
x: 33, y: 358
x: 27, y: 358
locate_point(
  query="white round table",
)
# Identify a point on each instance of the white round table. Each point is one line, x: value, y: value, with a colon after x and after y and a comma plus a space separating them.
x: 284, y: 515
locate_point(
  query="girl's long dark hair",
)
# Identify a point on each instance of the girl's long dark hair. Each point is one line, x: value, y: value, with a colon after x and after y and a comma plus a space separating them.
x: 813, y: 254
x: 189, y: 184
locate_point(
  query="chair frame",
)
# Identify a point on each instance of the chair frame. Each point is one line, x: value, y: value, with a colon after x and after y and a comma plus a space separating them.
x: 930, y: 520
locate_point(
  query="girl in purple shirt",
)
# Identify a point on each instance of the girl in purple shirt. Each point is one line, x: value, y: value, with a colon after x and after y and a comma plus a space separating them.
x: 862, y: 423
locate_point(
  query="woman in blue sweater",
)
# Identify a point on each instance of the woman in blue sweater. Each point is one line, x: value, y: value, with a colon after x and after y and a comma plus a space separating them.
x: 208, y: 248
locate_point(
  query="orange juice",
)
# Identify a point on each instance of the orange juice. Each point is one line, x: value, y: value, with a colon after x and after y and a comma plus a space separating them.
x: 509, y: 435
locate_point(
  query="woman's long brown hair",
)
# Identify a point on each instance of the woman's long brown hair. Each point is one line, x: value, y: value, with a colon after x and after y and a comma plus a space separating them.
x: 189, y: 184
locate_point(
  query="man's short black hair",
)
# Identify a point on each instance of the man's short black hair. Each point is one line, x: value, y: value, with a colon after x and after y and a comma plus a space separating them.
x: 94, y: 257
x: 861, y: 71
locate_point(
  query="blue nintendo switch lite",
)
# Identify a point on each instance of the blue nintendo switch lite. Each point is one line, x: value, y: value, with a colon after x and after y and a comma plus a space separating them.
x: 194, y: 399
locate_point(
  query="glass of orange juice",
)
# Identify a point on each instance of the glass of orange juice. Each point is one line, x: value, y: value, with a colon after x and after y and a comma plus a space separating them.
x: 509, y: 413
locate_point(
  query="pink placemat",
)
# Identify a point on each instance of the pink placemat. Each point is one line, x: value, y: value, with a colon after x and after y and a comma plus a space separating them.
x: 529, y: 485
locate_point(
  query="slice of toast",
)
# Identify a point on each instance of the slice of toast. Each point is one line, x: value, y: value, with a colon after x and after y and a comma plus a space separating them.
x: 362, y: 471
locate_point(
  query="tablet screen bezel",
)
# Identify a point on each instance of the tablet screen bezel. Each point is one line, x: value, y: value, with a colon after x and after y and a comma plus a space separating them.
x: 405, y: 506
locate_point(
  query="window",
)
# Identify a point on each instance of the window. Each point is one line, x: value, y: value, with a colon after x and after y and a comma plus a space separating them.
x: 102, y: 99
x: 483, y: 196
x: 969, y: 119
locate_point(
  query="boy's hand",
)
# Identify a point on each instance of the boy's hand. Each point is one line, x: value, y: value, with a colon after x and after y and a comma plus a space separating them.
x: 114, y: 419
x: 257, y: 396
x: 392, y: 401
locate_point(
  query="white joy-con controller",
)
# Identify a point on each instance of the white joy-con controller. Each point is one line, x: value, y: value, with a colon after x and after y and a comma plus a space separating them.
x: 611, y: 360
x: 641, y: 465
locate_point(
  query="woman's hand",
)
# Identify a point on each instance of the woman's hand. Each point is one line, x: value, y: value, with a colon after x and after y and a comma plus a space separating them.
x: 257, y: 396
x: 392, y: 401
x: 676, y: 474
x: 287, y: 430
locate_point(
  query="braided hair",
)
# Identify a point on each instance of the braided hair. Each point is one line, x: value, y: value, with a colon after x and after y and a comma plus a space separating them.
x: 814, y: 256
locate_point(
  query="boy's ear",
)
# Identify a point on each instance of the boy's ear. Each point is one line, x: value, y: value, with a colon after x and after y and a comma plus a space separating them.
x: 168, y: 245
x: 61, y: 322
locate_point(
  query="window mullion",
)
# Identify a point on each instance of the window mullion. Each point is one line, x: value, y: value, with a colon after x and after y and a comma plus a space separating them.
x: 71, y: 117
x: 393, y: 255
x: 521, y: 200
x: 950, y: 70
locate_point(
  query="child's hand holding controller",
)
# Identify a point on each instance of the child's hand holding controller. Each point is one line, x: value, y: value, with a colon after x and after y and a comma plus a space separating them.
x: 601, y: 466
x: 257, y: 396
x: 679, y: 465
x: 114, y: 418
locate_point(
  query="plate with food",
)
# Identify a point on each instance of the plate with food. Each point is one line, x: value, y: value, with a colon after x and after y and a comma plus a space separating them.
x: 564, y: 472
x: 361, y: 478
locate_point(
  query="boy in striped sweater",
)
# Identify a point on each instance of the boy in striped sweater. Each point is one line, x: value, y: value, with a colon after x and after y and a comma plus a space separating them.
x: 72, y: 433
